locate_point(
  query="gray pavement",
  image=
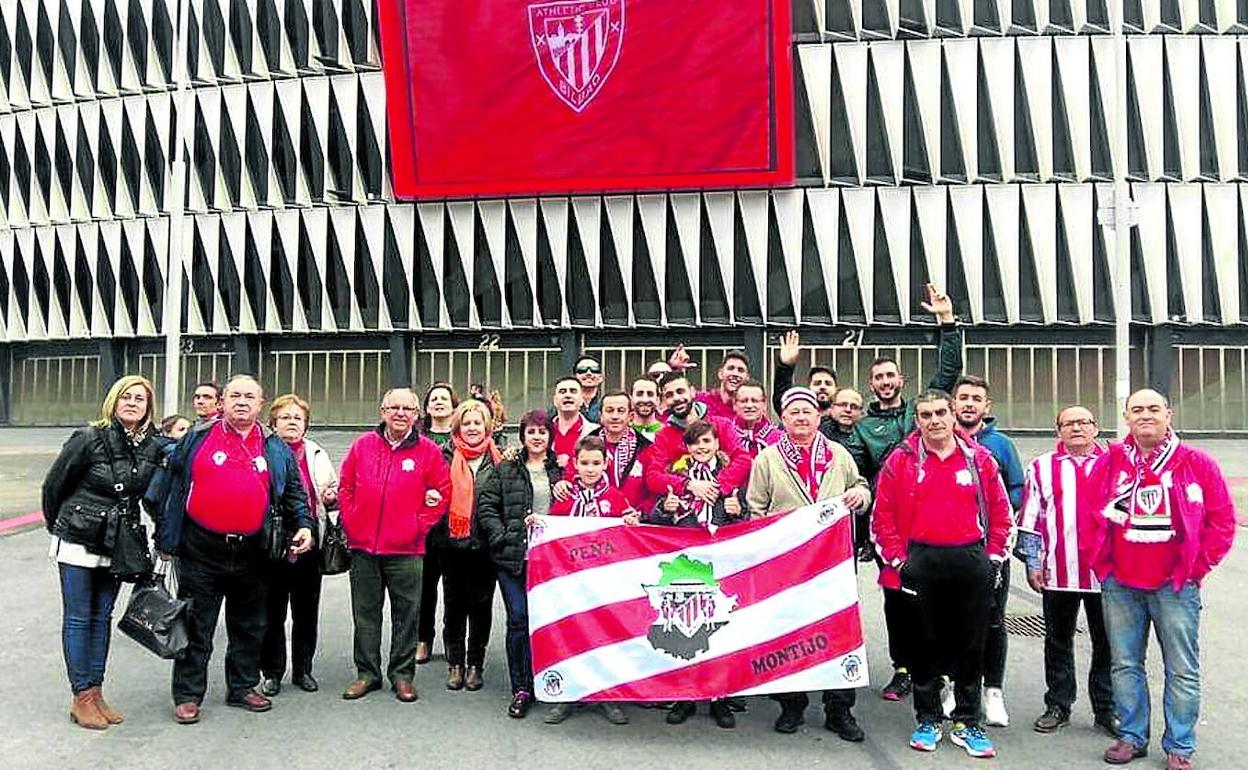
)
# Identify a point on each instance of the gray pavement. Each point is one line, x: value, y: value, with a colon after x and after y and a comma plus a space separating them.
x: 471, y: 730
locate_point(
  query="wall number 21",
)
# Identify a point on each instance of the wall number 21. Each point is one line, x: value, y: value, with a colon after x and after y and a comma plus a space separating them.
x: 853, y: 338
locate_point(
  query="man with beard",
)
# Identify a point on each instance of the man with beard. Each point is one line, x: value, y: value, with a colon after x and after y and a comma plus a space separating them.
x: 733, y: 370
x: 802, y: 468
x: 571, y: 424
x: 680, y: 401
x: 756, y: 431
x: 1161, y: 518
x: 822, y: 379
x: 888, y: 420
x: 645, y: 400
x: 971, y: 404
x: 624, y: 448
x: 588, y: 371
x: 942, y: 526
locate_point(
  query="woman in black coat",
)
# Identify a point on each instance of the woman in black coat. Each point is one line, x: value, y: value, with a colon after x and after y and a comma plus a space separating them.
x: 109, y: 462
x: 509, y: 496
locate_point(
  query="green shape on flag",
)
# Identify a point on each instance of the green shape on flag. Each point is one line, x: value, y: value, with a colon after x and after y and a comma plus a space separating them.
x: 685, y: 570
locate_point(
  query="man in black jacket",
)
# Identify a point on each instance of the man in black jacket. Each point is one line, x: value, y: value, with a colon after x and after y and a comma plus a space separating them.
x: 229, y: 483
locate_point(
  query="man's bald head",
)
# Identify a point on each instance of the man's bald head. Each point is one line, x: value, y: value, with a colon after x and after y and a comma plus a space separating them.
x: 1148, y: 417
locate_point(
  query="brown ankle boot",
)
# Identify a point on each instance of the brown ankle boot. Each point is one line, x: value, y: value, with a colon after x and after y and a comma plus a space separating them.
x: 85, y: 713
x: 113, y: 716
x: 455, y: 678
x: 472, y: 679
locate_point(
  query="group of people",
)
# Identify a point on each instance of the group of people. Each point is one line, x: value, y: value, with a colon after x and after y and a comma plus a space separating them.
x: 431, y: 497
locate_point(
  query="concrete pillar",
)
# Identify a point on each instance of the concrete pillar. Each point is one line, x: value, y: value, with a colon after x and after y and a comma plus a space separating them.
x: 112, y: 362
x: 401, y: 349
x: 1159, y: 351
x: 569, y: 349
x: 246, y: 355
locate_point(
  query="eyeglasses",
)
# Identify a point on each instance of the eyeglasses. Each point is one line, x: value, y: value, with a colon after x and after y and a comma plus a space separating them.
x: 850, y: 405
x: 1082, y: 423
x: 408, y: 409
x: 588, y: 369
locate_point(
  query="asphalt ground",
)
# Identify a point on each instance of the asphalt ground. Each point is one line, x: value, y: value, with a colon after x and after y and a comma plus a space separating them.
x: 470, y: 730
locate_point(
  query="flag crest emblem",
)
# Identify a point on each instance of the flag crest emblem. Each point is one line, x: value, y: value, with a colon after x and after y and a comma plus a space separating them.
x: 690, y: 607
x: 577, y: 43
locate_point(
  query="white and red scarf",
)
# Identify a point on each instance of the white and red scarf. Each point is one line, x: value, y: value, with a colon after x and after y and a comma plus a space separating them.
x: 758, y: 438
x: 696, y: 471
x: 821, y: 459
x: 620, y: 456
x: 1141, y: 500
x: 585, y: 499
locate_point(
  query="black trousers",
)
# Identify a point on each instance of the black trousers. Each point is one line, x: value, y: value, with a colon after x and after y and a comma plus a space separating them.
x: 427, y: 626
x: 901, y: 619
x: 468, y: 578
x: 833, y: 700
x: 212, y: 570
x: 954, y: 593
x: 997, y: 642
x: 295, y: 588
x: 1061, y: 610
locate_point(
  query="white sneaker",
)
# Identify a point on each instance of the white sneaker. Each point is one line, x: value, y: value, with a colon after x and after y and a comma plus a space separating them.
x: 994, y: 707
x: 947, y: 701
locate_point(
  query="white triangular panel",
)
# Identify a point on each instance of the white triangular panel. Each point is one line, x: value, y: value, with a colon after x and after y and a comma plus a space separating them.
x: 588, y: 213
x: 894, y: 203
x: 653, y: 211
x: 788, y: 205
x: 825, y: 215
x: 1003, y: 208
x: 1222, y: 207
x: 753, y: 206
x: 860, y: 218
x: 554, y: 212
x: 816, y: 63
x: 620, y: 220
x: 968, y: 217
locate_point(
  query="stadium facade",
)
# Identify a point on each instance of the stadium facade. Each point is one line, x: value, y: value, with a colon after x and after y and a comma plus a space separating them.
x: 963, y: 142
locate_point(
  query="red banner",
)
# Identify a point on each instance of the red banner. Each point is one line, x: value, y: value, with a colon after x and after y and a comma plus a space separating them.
x: 541, y: 96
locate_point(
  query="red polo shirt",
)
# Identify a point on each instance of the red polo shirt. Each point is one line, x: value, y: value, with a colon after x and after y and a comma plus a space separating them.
x: 565, y: 443
x: 229, y: 482
x: 946, y: 512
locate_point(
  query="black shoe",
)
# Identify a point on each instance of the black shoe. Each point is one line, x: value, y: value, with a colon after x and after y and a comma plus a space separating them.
x: 305, y: 682
x: 789, y: 721
x: 737, y: 704
x: 270, y: 686
x: 842, y: 723
x: 1052, y: 720
x: 1107, y: 723
x: 521, y: 702
x: 681, y: 711
x: 721, y: 712
x: 898, y: 687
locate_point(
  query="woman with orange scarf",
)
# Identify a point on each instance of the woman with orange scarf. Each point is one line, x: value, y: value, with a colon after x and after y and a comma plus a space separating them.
x: 468, y: 574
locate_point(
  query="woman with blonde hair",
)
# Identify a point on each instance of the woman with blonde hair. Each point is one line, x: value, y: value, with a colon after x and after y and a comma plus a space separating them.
x: 297, y: 585
x: 468, y: 575
x: 102, y: 466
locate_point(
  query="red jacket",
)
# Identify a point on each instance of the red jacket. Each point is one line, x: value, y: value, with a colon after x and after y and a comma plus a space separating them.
x: 381, y: 494
x: 1201, y: 507
x: 669, y: 446
x: 895, y: 497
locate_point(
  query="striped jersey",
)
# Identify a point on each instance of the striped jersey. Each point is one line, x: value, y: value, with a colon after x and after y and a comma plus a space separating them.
x: 1050, y: 510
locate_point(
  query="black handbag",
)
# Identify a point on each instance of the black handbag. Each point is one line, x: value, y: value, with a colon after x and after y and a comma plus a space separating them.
x: 277, y: 540
x: 335, y: 556
x: 154, y: 618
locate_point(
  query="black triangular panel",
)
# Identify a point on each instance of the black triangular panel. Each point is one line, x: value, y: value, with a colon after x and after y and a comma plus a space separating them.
x: 807, y: 146
x: 368, y: 154
x: 131, y: 160
x: 678, y: 294
x: 269, y: 30
x: 1098, y: 14
x: 1242, y: 272
x: 1026, y: 159
x: 229, y: 286
x: 1211, y: 293
x: 338, y: 152
x: 1063, y: 140
x: 1067, y: 298
x: 712, y: 300
x: 256, y: 156
x: 612, y: 294
x: 44, y: 41
x: 205, y: 159
x: 4, y: 292
x: 43, y: 167
x: 949, y: 16
x: 1030, y: 300
x: 21, y: 285
x: 779, y: 300
x: 154, y: 157
x: 1208, y: 14
x: 805, y: 22
x: 108, y: 165
x: 549, y: 292
x: 83, y: 161
x: 516, y: 287
x: 42, y: 284
x: 1023, y: 16
x: 395, y: 286
x: 285, y: 162
x: 127, y: 282
x: 22, y: 169
x: 1241, y: 116
x: 914, y: 160
x: 1102, y: 161
x: 309, y: 279
x: 1060, y: 16
x: 849, y: 305
x: 839, y: 18
x: 367, y: 292
x: 114, y: 39
x: 1171, y: 160
x: 916, y: 292
x: 955, y: 273
x: 154, y: 282
x: 454, y: 280
x: 1133, y: 16
x: 214, y: 37
x: 815, y: 307
x: 875, y: 21
x: 6, y: 169
x: 842, y: 161
x: 282, y: 283
x: 952, y: 159
x: 988, y: 151
x: 1171, y: 17
x: 255, y: 287
x: 1208, y: 142
x: 201, y: 280
x: 747, y: 307
x: 23, y: 47
x: 1137, y: 155
x: 994, y: 288
x: 911, y: 19
x: 355, y: 28
x: 986, y: 17
x: 83, y: 281
x: 311, y: 155
x: 879, y: 154
x: 240, y: 35
x: 64, y: 162
x: 647, y: 305
x: 429, y: 297
x: 578, y: 288
x: 231, y: 159
x: 61, y: 280
x: 297, y: 34
x: 162, y: 39
x: 886, y: 308
x: 1176, y: 306
x: 484, y: 283
x: 1141, y: 301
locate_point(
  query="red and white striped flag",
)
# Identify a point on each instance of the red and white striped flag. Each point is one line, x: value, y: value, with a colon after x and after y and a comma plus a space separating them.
x: 648, y: 613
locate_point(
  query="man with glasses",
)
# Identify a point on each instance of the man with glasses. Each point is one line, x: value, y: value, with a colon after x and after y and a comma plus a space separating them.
x: 395, y: 486
x: 588, y: 371
x: 756, y: 431
x: 838, y: 425
x: 1048, y: 536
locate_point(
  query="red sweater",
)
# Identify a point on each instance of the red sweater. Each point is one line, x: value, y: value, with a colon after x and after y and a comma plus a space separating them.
x: 229, y: 492
x: 381, y: 494
x: 610, y: 503
x: 669, y: 445
x: 902, y: 511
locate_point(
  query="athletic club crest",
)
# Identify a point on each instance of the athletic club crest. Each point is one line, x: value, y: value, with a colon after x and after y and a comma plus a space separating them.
x: 690, y: 607
x: 577, y: 43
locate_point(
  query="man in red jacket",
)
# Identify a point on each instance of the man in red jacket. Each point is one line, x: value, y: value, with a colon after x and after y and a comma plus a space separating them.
x: 942, y: 526
x: 393, y: 488
x: 1156, y: 518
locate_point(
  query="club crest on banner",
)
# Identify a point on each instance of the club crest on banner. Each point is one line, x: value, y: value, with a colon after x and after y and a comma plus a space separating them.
x: 690, y: 607
x: 577, y: 43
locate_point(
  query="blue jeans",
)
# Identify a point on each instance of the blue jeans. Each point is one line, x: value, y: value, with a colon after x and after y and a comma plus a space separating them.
x: 1175, y: 616
x: 87, y: 597
x: 519, y: 654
